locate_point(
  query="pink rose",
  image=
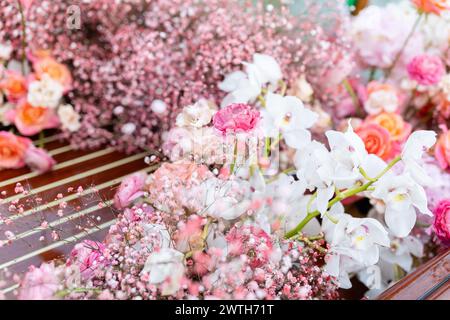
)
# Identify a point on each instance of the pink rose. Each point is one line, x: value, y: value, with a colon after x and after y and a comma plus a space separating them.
x: 38, y: 159
x: 130, y: 189
x: 442, y: 221
x: 442, y: 150
x: 14, y: 85
x: 237, y: 117
x: 12, y: 150
x: 40, y: 283
x: 377, y: 140
x: 31, y: 120
x: 88, y: 256
x: 427, y: 70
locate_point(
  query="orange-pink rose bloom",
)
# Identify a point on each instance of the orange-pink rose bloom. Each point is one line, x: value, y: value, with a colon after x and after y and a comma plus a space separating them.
x: 57, y: 71
x: 14, y: 85
x: 398, y: 129
x: 12, y: 150
x: 431, y: 6
x: 377, y: 140
x: 31, y: 120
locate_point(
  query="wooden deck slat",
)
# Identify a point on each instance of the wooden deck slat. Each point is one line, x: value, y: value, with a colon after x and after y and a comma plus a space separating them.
x: 101, y: 169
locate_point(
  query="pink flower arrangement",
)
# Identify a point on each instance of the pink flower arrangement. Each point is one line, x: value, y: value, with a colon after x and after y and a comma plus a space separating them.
x: 236, y: 117
x: 16, y: 152
x: 40, y: 283
x: 165, y: 51
x: 426, y: 69
x: 130, y: 189
x: 441, y: 223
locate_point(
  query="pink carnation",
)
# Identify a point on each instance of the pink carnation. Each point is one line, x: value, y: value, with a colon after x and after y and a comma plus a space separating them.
x: 40, y: 283
x: 237, y: 117
x: 89, y: 256
x: 130, y: 189
x: 38, y: 159
x: 442, y: 221
x: 426, y: 69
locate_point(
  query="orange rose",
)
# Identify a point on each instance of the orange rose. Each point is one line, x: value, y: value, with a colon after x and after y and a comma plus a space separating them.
x: 431, y: 6
x: 12, y: 150
x: 14, y: 85
x: 394, y: 124
x: 442, y: 150
x: 57, y: 71
x: 377, y: 140
x: 31, y: 120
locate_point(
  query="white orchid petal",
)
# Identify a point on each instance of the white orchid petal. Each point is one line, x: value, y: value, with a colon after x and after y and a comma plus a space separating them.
x: 400, y: 223
x: 417, y: 143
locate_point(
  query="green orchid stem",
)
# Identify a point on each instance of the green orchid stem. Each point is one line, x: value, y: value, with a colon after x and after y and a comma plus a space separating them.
x: 64, y: 293
x: 233, y: 165
x: 399, y: 54
x: 267, y: 147
x: 353, y: 95
x: 342, y: 196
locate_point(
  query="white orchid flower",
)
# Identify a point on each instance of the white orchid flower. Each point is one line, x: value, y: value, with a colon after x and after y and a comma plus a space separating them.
x: 354, y: 245
x: 314, y: 166
x: 241, y: 87
x: 289, y: 116
x: 245, y: 87
x: 413, y: 150
x: 401, y: 194
x: 268, y: 67
x: 197, y: 115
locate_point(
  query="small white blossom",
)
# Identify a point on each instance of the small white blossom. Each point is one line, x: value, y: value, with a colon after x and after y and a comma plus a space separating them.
x: 45, y: 93
x: 165, y: 267
x: 5, y: 51
x: 197, y: 115
x: 69, y: 118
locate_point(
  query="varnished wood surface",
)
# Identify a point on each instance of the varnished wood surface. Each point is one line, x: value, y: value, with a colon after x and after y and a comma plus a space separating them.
x: 431, y: 281
x: 88, y: 216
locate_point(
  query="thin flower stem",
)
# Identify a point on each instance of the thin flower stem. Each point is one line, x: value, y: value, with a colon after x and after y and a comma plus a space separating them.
x: 267, y: 147
x: 311, y: 244
x: 64, y: 293
x: 24, y: 36
x: 405, y: 43
x: 233, y: 165
x: 41, y: 139
x: 343, y: 196
x: 353, y: 95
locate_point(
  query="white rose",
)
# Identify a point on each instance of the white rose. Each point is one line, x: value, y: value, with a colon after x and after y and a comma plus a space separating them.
x: 3, y: 109
x: 380, y: 100
x: 69, y: 118
x: 197, y: 115
x: 303, y: 89
x: 165, y: 265
x: 45, y: 93
x: 5, y: 51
